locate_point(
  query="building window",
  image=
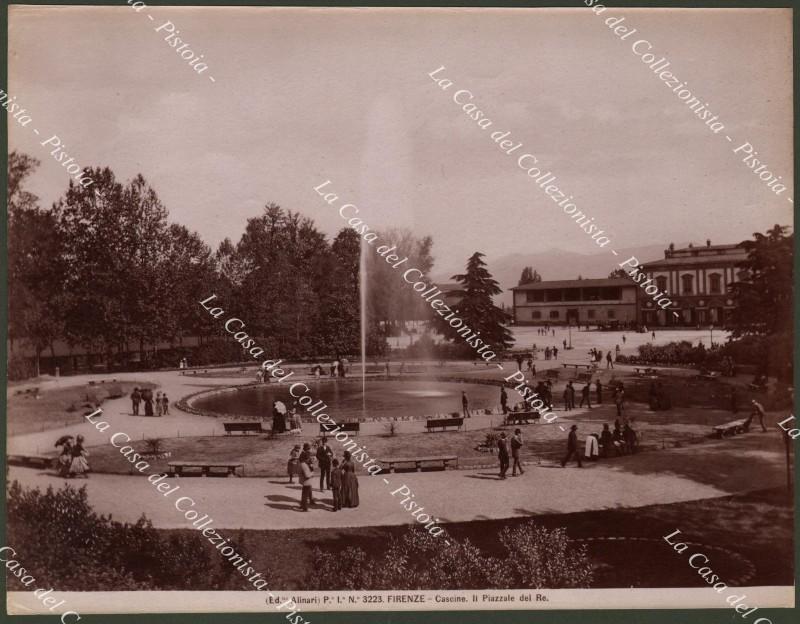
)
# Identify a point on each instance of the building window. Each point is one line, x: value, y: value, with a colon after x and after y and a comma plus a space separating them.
x: 536, y: 315
x: 590, y: 314
x: 534, y: 296
x: 612, y: 314
x: 661, y: 282
x: 687, y: 282
x: 715, y: 280
x: 553, y: 314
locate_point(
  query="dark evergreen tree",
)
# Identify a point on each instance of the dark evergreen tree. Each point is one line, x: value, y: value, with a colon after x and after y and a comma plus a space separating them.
x: 476, y: 307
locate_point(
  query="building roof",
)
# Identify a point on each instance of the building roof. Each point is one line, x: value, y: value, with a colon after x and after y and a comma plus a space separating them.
x: 727, y: 259
x: 584, y: 283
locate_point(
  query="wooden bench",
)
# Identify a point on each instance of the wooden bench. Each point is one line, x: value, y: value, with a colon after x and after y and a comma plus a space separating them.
x: 177, y: 468
x: 242, y: 427
x: 349, y: 427
x: 444, y: 423
x: 733, y: 427
x: 42, y: 461
x: 577, y: 366
x: 445, y: 460
x: 520, y: 418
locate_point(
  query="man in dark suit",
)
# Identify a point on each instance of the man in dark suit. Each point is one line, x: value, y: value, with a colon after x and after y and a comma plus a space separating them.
x: 572, y: 447
x: 324, y: 458
x: 516, y: 445
x: 502, y: 455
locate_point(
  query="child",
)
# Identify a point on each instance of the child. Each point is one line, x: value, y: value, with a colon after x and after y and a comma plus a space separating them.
x: 336, y: 485
x: 291, y: 466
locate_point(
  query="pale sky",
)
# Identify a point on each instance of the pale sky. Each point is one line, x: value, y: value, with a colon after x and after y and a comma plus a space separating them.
x: 305, y: 95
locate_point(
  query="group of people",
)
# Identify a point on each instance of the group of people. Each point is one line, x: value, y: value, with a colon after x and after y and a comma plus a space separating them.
x: 545, y: 331
x: 502, y: 453
x: 622, y: 441
x: 145, y: 395
x: 72, y: 462
x: 284, y: 419
x: 338, y: 477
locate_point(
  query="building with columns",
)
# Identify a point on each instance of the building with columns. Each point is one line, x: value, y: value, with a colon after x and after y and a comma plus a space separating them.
x: 697, y: 280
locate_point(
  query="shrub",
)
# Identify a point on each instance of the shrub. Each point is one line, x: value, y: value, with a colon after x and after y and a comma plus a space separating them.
x: 20, y: 368
x: 529, y: 557
x: 154, y: 446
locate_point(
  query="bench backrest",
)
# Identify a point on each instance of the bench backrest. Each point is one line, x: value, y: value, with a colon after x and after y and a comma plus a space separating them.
x: 242, y: 426
x: 445, y: 422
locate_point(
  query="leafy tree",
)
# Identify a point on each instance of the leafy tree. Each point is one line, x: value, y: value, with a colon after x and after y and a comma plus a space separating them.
x: 529, y: 276
x: 476, y: 307
x: 617, y: 273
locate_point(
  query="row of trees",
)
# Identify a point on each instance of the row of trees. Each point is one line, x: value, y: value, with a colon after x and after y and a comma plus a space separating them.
x: 104, y: 269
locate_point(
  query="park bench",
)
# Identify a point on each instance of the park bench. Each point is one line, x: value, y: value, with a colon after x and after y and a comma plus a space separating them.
x: 577, y: 366
x: 519, y: 418
x: 176, y: 469
x: 242, y: 427
x: 733, y: 427
x: 445, y: 460
x: 444, y: 423
x: 43, y: 461
x: 349, y: 427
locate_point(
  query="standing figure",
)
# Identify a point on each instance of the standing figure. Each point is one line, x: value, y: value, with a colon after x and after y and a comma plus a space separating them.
x: 165, y: 404
x: 465, y: 404
x: 516, y: 445
x: 502, y: 455
x: 609, y: 362
x: 136, y: 398
x: 306, y: 473
x: 324, y: 457
x: 619, y: 400
x: 758, y: 410
x: 629, y: 435
x: 599, y: 387
x: 555, y: 353
x: 349, y: 482
x: 503, y: 399
x: 624, y: 339
x: 336, y: 485
x: 571, y: 390
x: 79, y: 466
x: 565, y: 344
x: 147, y: 397
x: 572, y: 447
x: 293, y: 463
x: 278, y: 417
x: 606, y: 441
x: 159, y: 406
x: 585, y: 395
x: 65, y: 459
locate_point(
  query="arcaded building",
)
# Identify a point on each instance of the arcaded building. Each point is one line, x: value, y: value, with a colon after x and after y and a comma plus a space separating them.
x: 588, y: 302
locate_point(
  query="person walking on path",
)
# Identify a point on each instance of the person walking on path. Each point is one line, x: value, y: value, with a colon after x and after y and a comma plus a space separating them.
x: 324, y: 457
x: 624, y: 339
x: 165, y: 404
x: 147, y: 397
x: 555, y: 353
x: 65, y: 459
x: 571, y: 390
x: 585, y: 395
x: 504, y: 400
x: 566, y: 398
x: 349, y: 482
x: 336, y: 485
x: 609, y: 361
x: 79, y: 466
x: 159, y: 406
x: 758, y: 410
x: 306, y: 475
x: 502, y: 455
x: 465, y: 404
x: 516, y: 445
x: 572, y: 447
x: 599, y: 387
x: 136, y: 398
x: 293, y: 463
x: 564, y: 343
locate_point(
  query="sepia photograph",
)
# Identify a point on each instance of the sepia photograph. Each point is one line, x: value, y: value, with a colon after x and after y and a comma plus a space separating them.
x: 314, y: 310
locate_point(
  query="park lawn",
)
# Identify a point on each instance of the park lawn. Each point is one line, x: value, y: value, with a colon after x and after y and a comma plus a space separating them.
x: 737, y: 523
x: 60, y: 407
x: 265, y: 457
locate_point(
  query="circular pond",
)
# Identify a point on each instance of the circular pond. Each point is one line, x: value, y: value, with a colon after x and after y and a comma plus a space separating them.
x: 387, y: 399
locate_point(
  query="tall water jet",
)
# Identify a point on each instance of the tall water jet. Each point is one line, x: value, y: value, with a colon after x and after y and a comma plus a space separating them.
x: 362, y: 290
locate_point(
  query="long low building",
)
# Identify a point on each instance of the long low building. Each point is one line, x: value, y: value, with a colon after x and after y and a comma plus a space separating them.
x: 588, y: 301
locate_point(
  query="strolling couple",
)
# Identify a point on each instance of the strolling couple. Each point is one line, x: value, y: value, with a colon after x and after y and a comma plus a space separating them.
x: 502, y: 453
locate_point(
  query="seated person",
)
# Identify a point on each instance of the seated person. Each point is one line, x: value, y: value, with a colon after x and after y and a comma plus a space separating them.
x: 618, y: 439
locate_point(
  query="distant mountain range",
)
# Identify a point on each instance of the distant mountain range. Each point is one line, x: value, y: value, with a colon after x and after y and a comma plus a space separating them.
x: 556, y: 264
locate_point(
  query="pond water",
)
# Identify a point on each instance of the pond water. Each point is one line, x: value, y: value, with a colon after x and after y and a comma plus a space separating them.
x: 383, y: 398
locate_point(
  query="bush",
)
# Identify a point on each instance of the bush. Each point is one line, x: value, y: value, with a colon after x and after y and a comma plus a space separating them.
x: 20, y: 368
x: 67, y: 546
x: 154, y: 446
x: 529, y: 557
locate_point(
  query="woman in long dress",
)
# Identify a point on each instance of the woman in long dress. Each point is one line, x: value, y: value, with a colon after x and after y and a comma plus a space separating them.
x: 65, y: 459
x: 147, y: 397
x: 349, y: 482
x: 79, y: 466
